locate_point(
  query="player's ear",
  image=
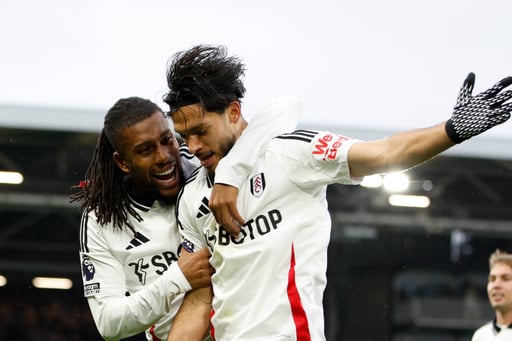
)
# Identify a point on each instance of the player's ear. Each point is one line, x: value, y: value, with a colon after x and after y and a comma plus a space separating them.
x: 120, y: 162
x: 234, y: 111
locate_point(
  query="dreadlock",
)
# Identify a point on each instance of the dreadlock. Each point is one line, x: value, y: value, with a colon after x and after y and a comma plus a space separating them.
x: 104, y: 191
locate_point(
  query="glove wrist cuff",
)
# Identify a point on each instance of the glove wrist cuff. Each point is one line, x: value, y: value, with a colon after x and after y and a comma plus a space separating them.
x: 452, y: 134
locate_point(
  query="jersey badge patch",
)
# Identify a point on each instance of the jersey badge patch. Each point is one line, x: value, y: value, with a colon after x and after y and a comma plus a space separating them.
x: 87, y: 268
x: 258, y: 185
x: 91, y: 289
x: 187, y: 245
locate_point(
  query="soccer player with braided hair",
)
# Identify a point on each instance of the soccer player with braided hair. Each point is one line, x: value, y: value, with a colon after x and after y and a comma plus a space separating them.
x: 133, y: 274
x: 270, y: 269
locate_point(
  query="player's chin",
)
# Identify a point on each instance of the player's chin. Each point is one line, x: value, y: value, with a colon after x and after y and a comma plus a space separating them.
x: 169, y: 191
x: 168, y: 196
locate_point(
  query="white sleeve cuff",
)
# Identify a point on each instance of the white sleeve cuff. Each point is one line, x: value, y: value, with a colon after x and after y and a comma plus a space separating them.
x: 174, y: 275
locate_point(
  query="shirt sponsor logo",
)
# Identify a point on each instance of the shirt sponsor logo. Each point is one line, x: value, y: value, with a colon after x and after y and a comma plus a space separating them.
x: 252, y: 229
x: 328, y: 145
x: 91, y: 289
x: 87, y: 268
x: 257, y: 185
x: 158, y: 264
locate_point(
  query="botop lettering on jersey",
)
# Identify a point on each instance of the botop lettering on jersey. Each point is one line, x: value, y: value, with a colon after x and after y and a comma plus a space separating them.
x: 327, y: 146
x: 157, y: 263
x: 253, y: 228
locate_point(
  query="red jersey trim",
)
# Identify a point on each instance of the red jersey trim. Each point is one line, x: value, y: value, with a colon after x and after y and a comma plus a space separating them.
x: 152, y: 333
x: 299, y: 315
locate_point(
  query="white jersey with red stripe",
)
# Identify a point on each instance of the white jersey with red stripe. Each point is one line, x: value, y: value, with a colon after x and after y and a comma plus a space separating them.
x: 269, y: 283
x: 131, y: 278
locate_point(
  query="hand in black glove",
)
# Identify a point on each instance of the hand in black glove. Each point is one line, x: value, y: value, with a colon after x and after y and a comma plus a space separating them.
x: 473, y: 115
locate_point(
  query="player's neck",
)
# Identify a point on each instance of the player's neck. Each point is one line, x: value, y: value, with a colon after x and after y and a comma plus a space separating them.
x: 504, y: 318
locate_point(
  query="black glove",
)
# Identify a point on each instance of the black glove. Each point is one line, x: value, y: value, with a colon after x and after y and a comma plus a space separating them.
x: 473, y: 115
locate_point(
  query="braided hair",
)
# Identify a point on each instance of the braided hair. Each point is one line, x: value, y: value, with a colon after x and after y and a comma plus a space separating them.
x: 104, y: 191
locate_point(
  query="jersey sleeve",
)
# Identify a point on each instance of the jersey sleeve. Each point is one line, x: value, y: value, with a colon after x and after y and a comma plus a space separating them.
x: 116, y: 314
x: 192, y: 236
x: 314, y: 158
x: 278, y: 117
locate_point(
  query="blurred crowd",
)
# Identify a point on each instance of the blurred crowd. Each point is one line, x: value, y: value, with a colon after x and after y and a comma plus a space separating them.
x: 49, y: 315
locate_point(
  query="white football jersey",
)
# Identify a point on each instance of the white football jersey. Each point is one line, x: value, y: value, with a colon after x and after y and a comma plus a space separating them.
x: 132, y: 280
x: 491, y: 332
x: 269, y: 283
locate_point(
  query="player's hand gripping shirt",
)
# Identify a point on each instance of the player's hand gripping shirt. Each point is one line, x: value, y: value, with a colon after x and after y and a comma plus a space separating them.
x: 132, y: 281
x: 268, y: 283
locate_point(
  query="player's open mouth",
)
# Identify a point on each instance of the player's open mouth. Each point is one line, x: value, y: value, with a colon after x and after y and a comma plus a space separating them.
x: 168, y: 175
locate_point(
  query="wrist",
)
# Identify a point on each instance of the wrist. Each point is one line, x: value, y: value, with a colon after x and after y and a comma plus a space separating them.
x: 451, y: 132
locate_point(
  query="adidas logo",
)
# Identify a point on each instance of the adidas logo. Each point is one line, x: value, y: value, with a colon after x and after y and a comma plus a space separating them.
x: 137, y: 240
x: 203, y: 208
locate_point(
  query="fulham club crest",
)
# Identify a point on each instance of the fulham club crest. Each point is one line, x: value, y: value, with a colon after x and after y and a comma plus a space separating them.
x: 257, y: 185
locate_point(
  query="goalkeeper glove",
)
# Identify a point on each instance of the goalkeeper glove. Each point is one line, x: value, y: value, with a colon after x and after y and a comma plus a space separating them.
x: 473, y: 115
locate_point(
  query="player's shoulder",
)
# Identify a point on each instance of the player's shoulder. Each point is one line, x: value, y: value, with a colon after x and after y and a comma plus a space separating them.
x: 196, y: 178
x: 301, y: 135
x: 484, y: 332
x: 195, y: 184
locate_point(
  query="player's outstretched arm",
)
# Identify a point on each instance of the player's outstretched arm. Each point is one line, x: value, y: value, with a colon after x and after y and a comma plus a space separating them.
x: 471, y: 116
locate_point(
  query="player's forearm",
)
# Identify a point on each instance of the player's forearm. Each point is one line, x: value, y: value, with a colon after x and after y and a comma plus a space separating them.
x: 193, y: 319
x: 120, y: 317
x: 399, y: 151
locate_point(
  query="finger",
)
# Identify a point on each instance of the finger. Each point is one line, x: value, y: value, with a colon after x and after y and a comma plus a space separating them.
x: 505, y: 81
x: 235, y: 215
x: 506, y: 107
x: 222, y: 214
x: 232, y: 228
x: 497, y: 87
x: 216, y: 214
x: 466, y: 90
x: 500, y: 98
x: 203, y: 252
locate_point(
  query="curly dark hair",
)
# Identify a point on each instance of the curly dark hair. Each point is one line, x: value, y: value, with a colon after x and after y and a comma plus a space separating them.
x: 104, y: 190
x: 204, y: 75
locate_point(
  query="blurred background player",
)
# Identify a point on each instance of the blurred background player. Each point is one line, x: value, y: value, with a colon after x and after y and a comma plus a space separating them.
x: 499, y: 291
